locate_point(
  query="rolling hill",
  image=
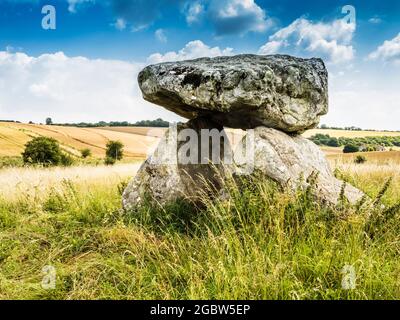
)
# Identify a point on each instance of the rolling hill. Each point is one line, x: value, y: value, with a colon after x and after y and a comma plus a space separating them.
x: 139, y: 140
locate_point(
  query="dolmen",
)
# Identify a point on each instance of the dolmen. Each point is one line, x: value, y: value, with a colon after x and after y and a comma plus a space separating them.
x: 274, y: 98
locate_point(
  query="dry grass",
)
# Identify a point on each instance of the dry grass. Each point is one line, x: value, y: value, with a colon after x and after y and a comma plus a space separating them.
x: 376, y: 157
x: 351, y: 134
x: 36, y: 182
x: 261, y: 244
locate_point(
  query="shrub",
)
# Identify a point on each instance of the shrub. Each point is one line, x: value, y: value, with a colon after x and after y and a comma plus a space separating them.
x: 86, y: 153
x: 109, y: 161
x: 42, y: 150
x: 6, y: 162
x: 66, y: 160
x: 115, y: 150
x: 360, y: 159
x: 349, y: 148
x: 333, y: 142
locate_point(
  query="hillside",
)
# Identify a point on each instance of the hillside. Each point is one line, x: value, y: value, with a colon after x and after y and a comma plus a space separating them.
x: 13, y: 136
x: 138, y: 140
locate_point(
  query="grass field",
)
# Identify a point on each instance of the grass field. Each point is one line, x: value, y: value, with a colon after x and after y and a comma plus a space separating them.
x: 262, y: 243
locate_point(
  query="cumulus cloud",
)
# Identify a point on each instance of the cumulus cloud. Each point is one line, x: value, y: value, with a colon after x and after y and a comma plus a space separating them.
x: 389, y: 51
x: 71, y: 89
x: 81, y: 89
x: 229, y: 16
x: 192, y: 50
x: 331, y: 41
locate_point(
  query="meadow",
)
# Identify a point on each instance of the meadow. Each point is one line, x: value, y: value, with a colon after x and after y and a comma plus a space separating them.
x: 260, y: 243
x: 263, y: 243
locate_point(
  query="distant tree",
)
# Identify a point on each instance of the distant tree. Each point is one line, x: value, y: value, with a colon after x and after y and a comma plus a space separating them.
x: 115, y: 150
x: 42, y: 150
x: 349, y: 148
x: 49, y: 121
x: 360, y: 159
x: 86, y: 153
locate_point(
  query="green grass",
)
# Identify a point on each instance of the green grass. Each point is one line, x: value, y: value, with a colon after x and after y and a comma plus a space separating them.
x: 263, y: 243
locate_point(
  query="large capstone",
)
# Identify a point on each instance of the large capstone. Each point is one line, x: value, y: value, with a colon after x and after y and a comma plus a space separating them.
x: 243, y: 91
x: 296, y: 162
x: 189, y: 163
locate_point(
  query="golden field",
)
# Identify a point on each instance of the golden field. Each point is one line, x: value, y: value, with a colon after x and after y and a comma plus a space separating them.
x: 13, y: 137
x: 138, y: 141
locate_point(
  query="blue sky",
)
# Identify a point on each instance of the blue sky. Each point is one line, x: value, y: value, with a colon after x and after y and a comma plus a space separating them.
x: 85, y: 69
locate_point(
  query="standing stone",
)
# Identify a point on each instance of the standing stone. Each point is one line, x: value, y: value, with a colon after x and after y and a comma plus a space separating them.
x: 291, y: 160
x: 243, y: 91
x: 180, y: 166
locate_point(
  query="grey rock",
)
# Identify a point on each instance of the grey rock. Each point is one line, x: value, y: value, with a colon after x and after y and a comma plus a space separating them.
x: 291, y: 160
x: 178, y: 169
x: 243, y: 91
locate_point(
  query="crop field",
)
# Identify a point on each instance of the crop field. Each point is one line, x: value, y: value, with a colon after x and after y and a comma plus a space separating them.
x: 13, y: 136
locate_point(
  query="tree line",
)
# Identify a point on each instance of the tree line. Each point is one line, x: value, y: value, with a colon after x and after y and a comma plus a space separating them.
x: 375, y: 143
x: 143, y: 123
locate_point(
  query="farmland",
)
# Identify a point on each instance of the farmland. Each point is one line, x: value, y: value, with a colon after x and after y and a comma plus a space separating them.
x: 139, y: 140
x: 13, y: 136
x: 261, y: 244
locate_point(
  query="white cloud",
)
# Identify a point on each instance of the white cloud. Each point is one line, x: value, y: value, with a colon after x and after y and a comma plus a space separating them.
x: 328, y: 40
x: 71, y: 89
x: 272, y: 47
x: 193, y: 49
x: 366, y: 108
x: 160, y: 35
x: 120, y: 24
x: 194, y: 11
x: 389, y: 51
x: 375, y: 20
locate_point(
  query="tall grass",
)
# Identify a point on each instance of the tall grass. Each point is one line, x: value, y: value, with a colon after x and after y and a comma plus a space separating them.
x: 259, y: 243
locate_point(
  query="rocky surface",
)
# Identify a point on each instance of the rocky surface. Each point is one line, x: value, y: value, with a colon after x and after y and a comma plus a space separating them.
x: 291, y: 160
x: 243, y: 91
x: 178, y: 168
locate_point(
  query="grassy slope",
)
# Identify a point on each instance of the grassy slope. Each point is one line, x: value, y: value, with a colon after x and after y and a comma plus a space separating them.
x: 262, y: 244
x: 13, y: 136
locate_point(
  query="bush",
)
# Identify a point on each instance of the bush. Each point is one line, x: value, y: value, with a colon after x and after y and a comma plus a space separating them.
x: 360, y: 159
x: 86, y: 153
x: 333, y: 142
x: 350, y: 148
x: 42, y: 150
x: 6, y: 162
x: 109, y: 161
x: 115, y: 150
x: 66, y: 160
